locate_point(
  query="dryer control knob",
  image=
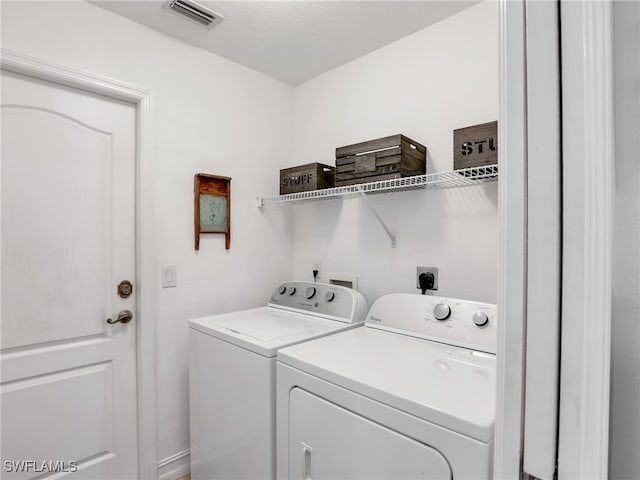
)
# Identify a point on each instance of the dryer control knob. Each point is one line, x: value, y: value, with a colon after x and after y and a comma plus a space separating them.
x: 282, y: 290
x: 480, y: 319
x: 291, y: 290
x: 329, y: 296
x: 310, y: 292
x: 441, y: 311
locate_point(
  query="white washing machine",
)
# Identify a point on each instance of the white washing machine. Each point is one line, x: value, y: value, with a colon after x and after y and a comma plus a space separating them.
x: 232, y: 374
x: 409, y: 396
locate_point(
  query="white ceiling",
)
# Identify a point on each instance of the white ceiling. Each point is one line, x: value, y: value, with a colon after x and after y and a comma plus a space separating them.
x: 296, y: 40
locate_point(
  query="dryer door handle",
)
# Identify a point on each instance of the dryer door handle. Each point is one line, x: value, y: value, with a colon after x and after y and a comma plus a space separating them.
x: 306, y: 451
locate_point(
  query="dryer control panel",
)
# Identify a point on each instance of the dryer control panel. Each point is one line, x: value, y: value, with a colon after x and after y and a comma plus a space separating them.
x: 462, y: 323
x: 327, y: 301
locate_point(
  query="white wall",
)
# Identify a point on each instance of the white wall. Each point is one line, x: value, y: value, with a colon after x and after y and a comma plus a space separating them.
x: 624, y: 440
x: 211, y: 116
x: 424, y: 86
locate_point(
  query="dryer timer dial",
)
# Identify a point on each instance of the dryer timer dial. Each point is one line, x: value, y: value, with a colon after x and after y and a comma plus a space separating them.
x: 441, y: 311
x: 480, y: 319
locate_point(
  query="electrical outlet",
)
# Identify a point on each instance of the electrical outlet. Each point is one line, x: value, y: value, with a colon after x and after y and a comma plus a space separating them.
x: 318, y: 266
x: 433, y: 270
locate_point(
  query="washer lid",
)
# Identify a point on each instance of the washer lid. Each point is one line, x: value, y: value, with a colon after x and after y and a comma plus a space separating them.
x: 450, y: 386
x: 264, y: 330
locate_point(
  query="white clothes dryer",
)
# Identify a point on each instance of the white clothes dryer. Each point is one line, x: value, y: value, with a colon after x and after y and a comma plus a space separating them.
x: 232, y: 374
x: 409, y: 396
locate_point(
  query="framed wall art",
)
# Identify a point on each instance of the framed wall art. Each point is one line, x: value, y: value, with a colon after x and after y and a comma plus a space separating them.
x: 212, y: 206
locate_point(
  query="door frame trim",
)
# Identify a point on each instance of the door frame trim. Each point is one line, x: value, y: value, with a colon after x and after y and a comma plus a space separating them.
x: 512, y: 251
x: 588, y: 198
x: 145, y: 246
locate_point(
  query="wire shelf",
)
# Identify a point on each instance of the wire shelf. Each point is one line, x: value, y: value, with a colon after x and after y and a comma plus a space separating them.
x: 457, y: 178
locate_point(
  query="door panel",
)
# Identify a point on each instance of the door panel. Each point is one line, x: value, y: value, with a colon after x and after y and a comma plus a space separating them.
x: 327, y: 441
x: 63, y: 415
x: 68, y: 237
x: 54, y: 249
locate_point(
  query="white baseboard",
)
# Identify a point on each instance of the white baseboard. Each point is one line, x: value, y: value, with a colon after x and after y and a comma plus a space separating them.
x: 175, y: 466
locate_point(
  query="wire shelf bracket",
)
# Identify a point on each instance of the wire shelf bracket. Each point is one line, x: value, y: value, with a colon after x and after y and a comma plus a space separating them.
x: 392, y: 237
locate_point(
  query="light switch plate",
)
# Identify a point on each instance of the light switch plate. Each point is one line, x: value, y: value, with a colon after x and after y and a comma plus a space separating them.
x: 169, y: 279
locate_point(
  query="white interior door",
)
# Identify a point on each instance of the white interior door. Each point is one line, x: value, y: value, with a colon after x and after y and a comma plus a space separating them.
x: 68, y: 378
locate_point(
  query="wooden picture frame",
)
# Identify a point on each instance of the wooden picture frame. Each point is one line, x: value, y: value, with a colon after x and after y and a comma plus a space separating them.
x: 212, y: 206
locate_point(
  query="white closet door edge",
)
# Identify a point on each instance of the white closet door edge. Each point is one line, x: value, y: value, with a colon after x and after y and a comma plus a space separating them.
x: 544, y: 241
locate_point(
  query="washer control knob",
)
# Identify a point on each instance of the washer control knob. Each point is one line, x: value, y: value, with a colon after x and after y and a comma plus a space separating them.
x: 310, y: 292
x: 441, y: 311
x: 480, y: 319
x: 282, y: 289
x: 291, y: 290
x: 329, y: 296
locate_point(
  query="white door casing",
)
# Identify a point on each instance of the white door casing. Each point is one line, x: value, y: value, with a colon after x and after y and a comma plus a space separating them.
x: 512, y: 210
x: 588, y: 196
x: 144, y: 244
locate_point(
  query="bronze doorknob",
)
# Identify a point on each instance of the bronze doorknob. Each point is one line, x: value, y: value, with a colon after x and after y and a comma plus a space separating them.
x: 125, y: 316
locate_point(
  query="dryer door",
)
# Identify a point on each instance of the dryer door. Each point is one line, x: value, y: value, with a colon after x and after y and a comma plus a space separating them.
x: 328, y: 442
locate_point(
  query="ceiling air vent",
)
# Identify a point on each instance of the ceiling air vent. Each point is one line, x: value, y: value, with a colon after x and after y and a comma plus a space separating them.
x: 195, y: 12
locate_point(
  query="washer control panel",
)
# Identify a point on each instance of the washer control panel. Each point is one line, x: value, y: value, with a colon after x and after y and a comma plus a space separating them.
x: 453, y: 321
x: 330, y: 301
